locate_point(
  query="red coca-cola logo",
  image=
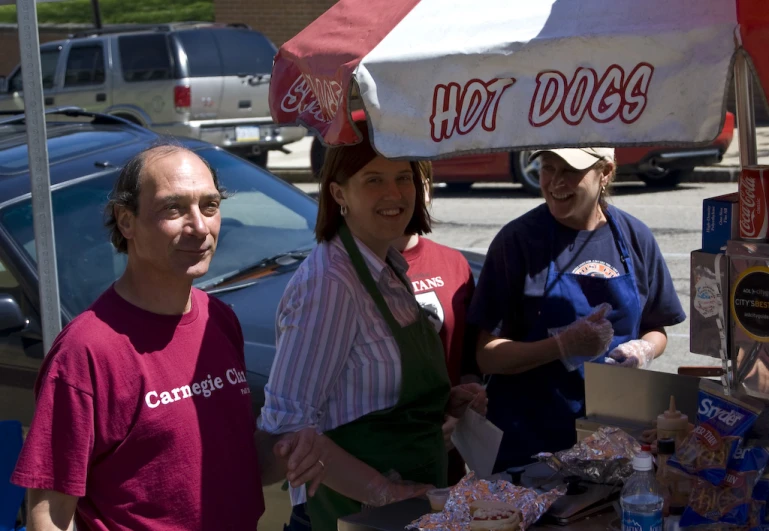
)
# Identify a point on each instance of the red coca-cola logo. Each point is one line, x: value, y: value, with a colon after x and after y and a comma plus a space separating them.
x: 752, y: 206
x: 318, y: 97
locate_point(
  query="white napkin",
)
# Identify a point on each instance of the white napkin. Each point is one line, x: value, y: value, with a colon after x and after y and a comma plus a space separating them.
x: 477, y: 440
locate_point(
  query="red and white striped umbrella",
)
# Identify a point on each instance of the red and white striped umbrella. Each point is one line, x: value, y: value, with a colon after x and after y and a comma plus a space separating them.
x: 439, y: 77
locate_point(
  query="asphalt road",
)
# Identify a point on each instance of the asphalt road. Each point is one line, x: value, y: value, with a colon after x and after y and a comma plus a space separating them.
x: 472, y: 219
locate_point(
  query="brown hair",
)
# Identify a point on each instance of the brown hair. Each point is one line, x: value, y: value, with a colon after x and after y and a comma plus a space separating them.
x: 343, y: 162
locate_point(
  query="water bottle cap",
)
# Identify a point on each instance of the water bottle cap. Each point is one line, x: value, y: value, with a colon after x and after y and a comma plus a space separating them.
x: 642, y: 462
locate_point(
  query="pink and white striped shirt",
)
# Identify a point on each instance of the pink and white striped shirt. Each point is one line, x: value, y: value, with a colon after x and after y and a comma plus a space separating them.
x: 336, y: 358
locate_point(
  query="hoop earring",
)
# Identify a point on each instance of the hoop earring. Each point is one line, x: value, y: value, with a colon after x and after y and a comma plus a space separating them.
x: 344, y: 210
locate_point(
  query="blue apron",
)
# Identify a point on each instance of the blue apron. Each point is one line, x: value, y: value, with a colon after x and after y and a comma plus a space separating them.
x: 537, y: 409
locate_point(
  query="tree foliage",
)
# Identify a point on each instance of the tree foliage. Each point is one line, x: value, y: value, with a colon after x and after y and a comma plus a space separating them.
x: 118, y: 11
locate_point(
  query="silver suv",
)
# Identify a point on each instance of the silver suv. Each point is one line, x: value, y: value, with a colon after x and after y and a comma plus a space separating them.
x: 200, y: 80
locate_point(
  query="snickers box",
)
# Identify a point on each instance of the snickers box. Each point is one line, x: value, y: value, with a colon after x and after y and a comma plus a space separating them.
x: 720, y: 222
x: 749, y: 315
x: 709, y: 304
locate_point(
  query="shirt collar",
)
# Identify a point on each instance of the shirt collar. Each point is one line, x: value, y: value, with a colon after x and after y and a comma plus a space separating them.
x: 375, y: 264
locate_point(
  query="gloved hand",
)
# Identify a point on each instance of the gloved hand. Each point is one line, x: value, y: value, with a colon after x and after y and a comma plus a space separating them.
x: 585, y: 339
x: 384, y: 490
x: 636, y: 353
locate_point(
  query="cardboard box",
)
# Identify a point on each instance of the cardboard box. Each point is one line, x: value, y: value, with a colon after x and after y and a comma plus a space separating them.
x: 708, y: 304
x: 720, y: 222
x: 749, y: 315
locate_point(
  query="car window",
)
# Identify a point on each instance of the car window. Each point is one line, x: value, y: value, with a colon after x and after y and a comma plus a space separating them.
x: 145, y: 58
x: 85, y: 66
x: 201, y: 51
x: 262, y: 218
x: 48, y: 61
x: 244, y: 52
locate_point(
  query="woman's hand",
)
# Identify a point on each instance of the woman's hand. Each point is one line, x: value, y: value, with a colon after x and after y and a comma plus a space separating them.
x: 588, y: 337
x: 303, y: 454
x: 636, y: 353
x: 449, y: 426
x: 467, y: 396
x: 383, y: 491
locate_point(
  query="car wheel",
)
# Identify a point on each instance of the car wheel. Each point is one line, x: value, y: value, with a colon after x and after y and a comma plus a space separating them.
x: 669, y: 179
x: 317, y: 154
x: 525, y: 172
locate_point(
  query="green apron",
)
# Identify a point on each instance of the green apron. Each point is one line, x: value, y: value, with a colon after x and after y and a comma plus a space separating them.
x: 408, y: 437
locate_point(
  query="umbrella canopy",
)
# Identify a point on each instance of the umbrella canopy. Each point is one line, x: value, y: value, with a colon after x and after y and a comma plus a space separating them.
x: 441, y: 77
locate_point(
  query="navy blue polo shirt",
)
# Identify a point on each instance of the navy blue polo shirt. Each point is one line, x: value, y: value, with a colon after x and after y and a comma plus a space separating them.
x: 519, y: 256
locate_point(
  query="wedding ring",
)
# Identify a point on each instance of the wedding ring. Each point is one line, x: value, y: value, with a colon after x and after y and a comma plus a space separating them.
x: 321, y: 464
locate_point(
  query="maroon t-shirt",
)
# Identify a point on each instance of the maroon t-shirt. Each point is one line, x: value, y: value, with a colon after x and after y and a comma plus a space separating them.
x: 147, y: 418
x: 443, y: 284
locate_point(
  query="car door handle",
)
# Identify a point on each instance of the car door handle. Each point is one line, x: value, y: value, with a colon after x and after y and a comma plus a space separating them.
x: 49, y: 100
x: 101, y: 97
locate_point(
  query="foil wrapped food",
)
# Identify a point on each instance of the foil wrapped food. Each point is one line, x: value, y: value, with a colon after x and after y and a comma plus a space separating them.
x: 456, y: 513
x: 605, y: 456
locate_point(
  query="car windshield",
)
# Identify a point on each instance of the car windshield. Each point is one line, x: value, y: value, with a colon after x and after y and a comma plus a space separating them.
x: 262, y: 218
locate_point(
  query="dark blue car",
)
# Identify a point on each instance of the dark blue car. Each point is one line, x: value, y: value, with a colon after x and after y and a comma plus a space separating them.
x: 267, y: 230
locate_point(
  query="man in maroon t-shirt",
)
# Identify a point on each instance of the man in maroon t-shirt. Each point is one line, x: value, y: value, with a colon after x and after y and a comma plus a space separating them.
x: 143, y: 416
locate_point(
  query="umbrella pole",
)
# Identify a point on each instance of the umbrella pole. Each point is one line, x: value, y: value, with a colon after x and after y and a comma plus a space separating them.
x: 746, y: 119
x: 40, y: 184
x: 746, y: 130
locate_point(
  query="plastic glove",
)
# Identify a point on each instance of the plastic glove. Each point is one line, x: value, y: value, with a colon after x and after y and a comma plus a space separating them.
x: 636, y: 353
x: 384, y: 490
x: 585, y: 339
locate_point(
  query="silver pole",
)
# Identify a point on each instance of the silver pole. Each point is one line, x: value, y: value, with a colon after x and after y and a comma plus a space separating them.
x: 40, y: 184
x: 746, y: 119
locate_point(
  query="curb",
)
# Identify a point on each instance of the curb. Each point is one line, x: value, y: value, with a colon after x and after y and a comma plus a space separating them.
x: 709, y: 174
x: 714, y: 174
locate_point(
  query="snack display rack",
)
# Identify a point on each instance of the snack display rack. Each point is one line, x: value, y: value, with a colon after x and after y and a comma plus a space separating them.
x: 742, y: 291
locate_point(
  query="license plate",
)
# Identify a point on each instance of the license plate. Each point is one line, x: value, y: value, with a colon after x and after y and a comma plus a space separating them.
x: 247, y: 133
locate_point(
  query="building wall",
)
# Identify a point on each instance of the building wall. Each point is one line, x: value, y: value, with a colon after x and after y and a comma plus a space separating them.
x: 278, y: 19
x: 9, y: 44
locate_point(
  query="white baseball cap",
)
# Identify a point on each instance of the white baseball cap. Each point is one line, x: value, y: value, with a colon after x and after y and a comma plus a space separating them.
x: 578, y: 158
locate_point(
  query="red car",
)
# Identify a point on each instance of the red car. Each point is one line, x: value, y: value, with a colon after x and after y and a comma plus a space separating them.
x: 661, y: 167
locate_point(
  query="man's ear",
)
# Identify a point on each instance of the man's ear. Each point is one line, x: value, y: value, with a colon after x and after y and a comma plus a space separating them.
x: 126, y: 221
x: 338, y: 194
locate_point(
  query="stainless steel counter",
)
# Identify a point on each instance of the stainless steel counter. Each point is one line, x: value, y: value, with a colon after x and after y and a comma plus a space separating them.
x: 397, y: 516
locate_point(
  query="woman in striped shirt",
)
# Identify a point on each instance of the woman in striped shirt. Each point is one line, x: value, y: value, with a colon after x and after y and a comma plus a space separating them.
x: 356, y: 356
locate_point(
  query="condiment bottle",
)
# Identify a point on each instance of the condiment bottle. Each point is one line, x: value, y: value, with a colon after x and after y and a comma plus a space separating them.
x: 672, y: 424
x: 665, y: 450
x: 676, y: 484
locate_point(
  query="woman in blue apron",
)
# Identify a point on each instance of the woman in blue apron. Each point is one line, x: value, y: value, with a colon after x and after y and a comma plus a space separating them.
x: 571, y: 281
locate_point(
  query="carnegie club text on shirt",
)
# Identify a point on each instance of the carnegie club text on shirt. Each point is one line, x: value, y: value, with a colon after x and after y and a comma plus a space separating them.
x: 205, y: 387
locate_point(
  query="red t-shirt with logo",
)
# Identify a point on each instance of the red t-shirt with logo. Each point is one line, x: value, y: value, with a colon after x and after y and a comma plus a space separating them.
x: 147, y: 418
x: 443, y: 284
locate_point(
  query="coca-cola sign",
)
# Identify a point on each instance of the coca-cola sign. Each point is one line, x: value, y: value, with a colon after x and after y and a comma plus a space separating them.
x: 754, y: 219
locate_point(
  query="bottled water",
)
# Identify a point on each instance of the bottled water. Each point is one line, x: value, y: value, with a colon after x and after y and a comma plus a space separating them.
x: 641, y: 498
